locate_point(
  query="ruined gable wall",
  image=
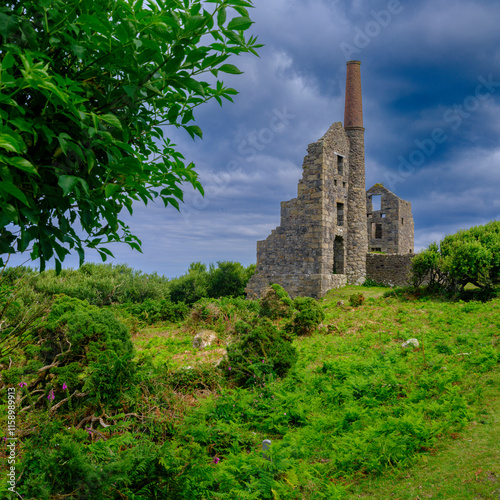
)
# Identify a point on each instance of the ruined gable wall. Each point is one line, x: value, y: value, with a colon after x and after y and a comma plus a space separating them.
x: 299, y: 253
x: 387, y: 217
x: 406, y: 228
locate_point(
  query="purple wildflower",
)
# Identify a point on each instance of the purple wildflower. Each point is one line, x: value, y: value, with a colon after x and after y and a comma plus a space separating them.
x: 23, y: 384
x: 89, y: 430
x: 216, y: 460
x: 229, y: 368
x: 51, y: 396
x: 64, y: 386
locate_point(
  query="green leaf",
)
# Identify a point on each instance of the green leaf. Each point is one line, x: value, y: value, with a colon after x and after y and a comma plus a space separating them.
x: 221, y: 16
x: 112, y: 120
x: 8, y: 61
x: 67, y: 183
x: 23, y: 164
x: 111, y: 189
x: 9, y: 143
x: 230, y: 68
x: 240, y: 23
x: 193, y: 130
x: 9, y: 188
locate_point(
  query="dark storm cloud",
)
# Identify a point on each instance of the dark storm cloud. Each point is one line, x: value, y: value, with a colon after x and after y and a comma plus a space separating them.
x: 431, y: 136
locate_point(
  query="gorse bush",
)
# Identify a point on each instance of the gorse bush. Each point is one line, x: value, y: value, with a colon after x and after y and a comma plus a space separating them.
x: 259, y: 351
x: 307, y: 317
x: 80, y: 346
x: 102, y: 284
x: 152, y: 311
x: 275, y: 303
x: 356, y: 299
x: 221, y: 315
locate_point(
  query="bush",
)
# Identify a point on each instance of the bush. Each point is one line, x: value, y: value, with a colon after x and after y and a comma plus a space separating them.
x: 469, y: 256
x: 192, y: 286
x: 78, y: 343
x: 228, y: 280
x: 187, y: 379
x: 221, y: 315
x: 260, y: 351
x: 356, y: 299
x: 307, y: 318
x: 152, y: 311
x: 275, y: 303
x: 102, y: 284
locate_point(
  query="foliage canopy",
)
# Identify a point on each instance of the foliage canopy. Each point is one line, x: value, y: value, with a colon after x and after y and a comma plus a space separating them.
x: 469, y: 256
x: 86, y: 89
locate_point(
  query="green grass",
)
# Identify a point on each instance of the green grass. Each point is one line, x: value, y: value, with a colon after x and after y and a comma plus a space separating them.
x: 464, y: 466
x: 360, y: 416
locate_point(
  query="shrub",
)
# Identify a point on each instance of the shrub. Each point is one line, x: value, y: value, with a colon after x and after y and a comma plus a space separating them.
x: 187, y: 379
x: 222, y: 314
x: 102, y: 284
x: 192, y: 286
x: 356, y: 299
x: 152, y: 311
x: 469, y: 256
x: 260, y: 351
x: 308, y: 316
x: 79, y: 341
x: 228, y: 280
x: 275, y: 303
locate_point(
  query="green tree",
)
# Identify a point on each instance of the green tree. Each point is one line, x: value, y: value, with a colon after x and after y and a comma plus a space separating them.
x: 86, y: 89
x: 229, y: 279
x: 469, y: 256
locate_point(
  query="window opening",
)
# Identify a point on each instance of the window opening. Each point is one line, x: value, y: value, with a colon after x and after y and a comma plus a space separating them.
x: 340, y: 214
x: 340, y: 165
x: 376, y: 202
x: 338, y: 255
x: 377, y: 231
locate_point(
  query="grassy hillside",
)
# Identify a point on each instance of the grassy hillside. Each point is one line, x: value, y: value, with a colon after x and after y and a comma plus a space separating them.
x: 360, y: 416
x: 357, y: 416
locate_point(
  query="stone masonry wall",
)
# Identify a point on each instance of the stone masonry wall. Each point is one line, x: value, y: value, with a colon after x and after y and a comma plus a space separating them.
x: 357, y: 238
x: 406, y: 229
x: 389, y: 269
x: 300, y: 253
x: 389, y: 229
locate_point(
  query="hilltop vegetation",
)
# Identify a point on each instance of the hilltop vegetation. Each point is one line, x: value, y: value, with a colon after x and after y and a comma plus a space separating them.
x: 117, y: 403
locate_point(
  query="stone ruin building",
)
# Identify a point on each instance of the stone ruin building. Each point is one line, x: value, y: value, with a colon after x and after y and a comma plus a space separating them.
x: 390, y: 223
x: 327, y: 232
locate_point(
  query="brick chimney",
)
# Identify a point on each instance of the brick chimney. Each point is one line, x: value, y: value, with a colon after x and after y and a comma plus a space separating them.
x: 357, y: 234
x: 353, y: 115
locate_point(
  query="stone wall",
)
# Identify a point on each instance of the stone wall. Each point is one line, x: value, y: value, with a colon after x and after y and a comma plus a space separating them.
x: 389, y: 269
x: 306, y: 253
x: 390, y: 227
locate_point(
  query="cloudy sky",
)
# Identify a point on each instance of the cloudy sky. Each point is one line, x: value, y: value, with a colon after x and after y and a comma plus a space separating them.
x: 430, y: 73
